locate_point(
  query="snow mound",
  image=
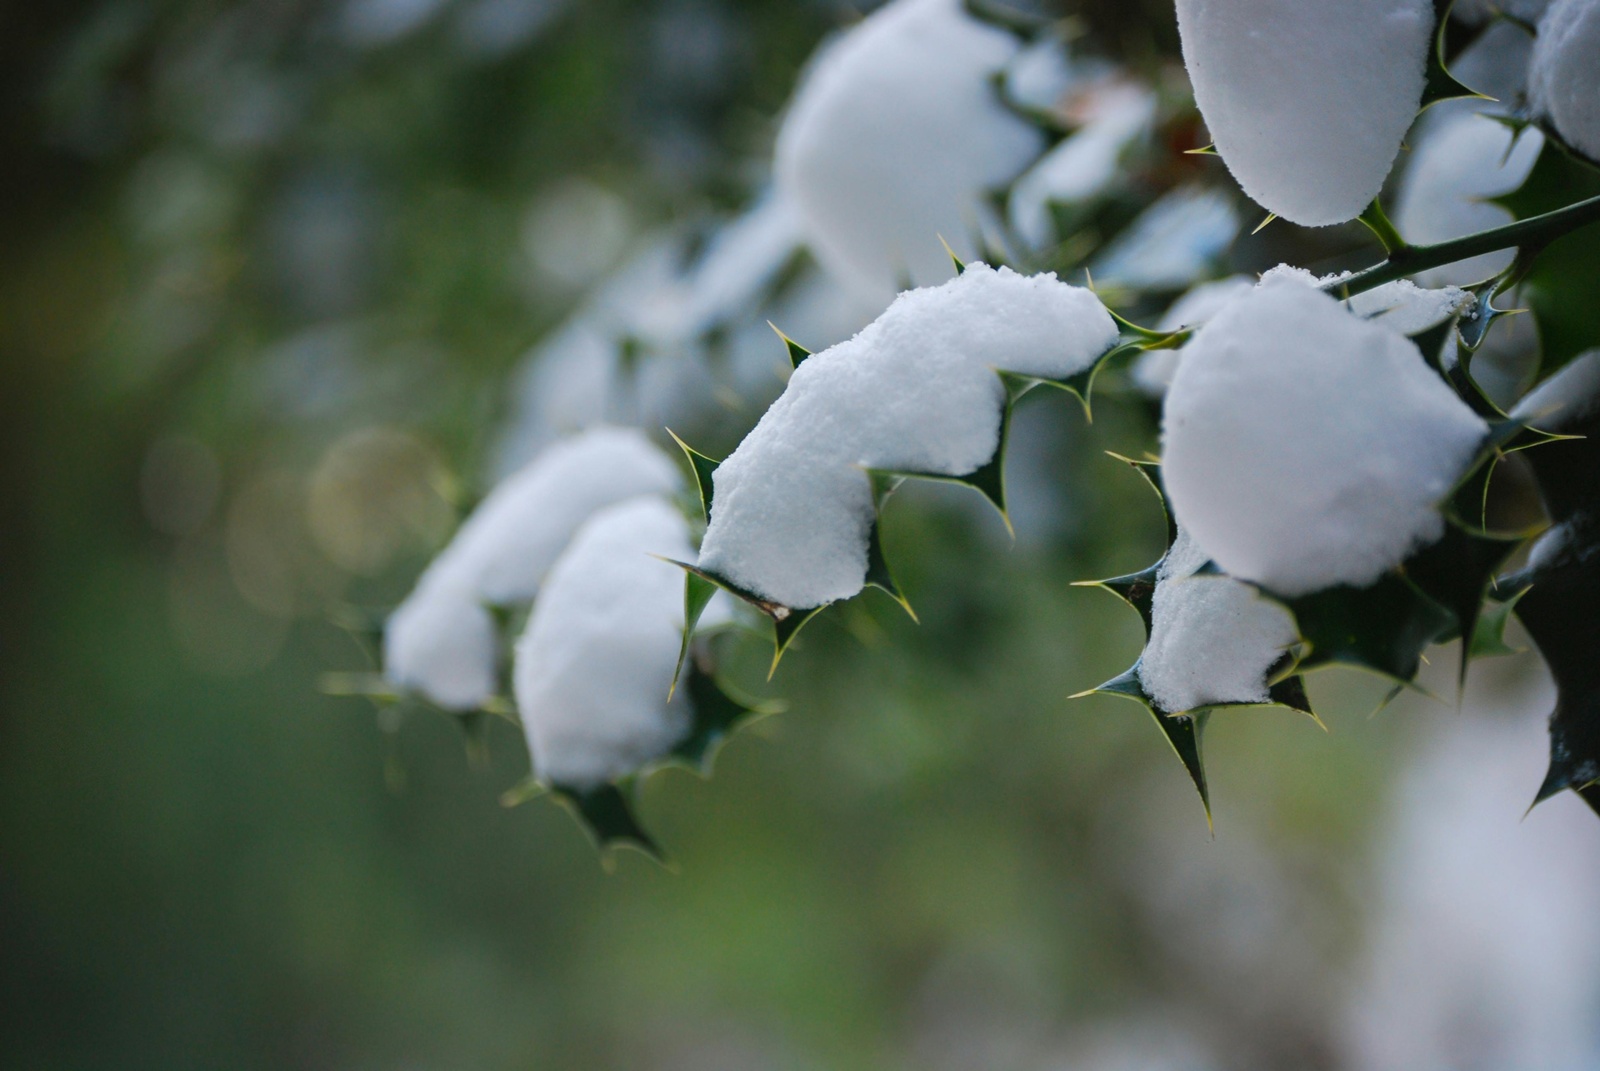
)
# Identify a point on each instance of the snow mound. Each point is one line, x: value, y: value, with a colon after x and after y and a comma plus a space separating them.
x: 595, y: 664
x: 893, y: 139
x: 441, y: 644
x: 1213, y: 639
x: 1563, y: 401
x: 1456, y: 165
x: 915, y: 391
x: 1564, y: 82
x: 1154, y: 370
x: 1306, y: 447
x: 440, y: 640
x: 1307, y: 100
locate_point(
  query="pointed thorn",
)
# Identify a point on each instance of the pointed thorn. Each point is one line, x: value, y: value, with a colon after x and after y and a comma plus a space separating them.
x: 1263, y: 224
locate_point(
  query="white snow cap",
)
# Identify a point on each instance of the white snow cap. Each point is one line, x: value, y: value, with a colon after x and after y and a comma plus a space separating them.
x: 1401, y: 306
x: 503, y: 550
x: 1212, y: 638
x: 442, y: 645
x: 440, y: 641
x: 893, y: 138
x: 1154, y: 370
x: 1307, y: 100
x: 915, y: 391
x: 595, y: 664
x: 1566, y: 398
x: 1306, y: 447
x: 1457, y: 164
x: 1564, y: 82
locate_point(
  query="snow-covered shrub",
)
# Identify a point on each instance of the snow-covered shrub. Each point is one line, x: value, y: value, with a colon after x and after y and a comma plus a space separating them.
x: 1564, y: 82
x: 894, y: 138
x: 1307, y: 100
x: 1305, y: 447
x: 440, y: 641
x: 916, y: 392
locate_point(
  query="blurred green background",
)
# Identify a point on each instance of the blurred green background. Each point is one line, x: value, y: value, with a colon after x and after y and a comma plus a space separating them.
x: 265, y: 268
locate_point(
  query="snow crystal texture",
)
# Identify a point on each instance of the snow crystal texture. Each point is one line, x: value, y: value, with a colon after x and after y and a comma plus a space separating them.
x: 894, y: 137
x: 1307, y: 100
x: 594, y: 666
x: 915, y: 391
x: 1213, y: 639
x: 1564, y: 82
x: 441, y: 644
x: 1306, y: 447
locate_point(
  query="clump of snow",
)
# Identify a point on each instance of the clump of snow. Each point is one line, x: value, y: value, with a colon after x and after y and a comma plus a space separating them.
x: 1564, y: 81
x: 893, y: 139
x: 441, y: 644
x: 1154, y: 370
x: 1212, y: 638
x: 1566, y: 399
x: 1401, y: 306
x: 1457, y: 164
x: 1307, y: 100
x: 503, y: 550
x: 915, y: 391
x: 1114, y: 115
x: 1172, y: 243
x: 1306, y: 447
x: 440, y: 640
x: 594, y: 667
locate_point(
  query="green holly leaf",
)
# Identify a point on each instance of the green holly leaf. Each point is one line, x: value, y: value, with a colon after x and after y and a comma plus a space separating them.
x: 1182, y: 731
x: 606, y: 814
x: 1439, y: 84
x: 797, y: 353
x: 718, y: 711
x: 704, y: 469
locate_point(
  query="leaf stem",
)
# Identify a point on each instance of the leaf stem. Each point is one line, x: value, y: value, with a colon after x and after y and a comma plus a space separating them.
x: 1533, y: 232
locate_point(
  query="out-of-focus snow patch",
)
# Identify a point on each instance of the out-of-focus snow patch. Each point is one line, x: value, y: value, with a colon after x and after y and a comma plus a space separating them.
x: 894, y: 138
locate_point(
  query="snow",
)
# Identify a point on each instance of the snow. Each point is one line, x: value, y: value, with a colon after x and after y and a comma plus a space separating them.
x: 1307, y: 100
x: 1456, y: 165
x: 1564, y: 82
x: 503, y: 550
x: 1114, y: 115
x: 1401, y: 306
x: 441, y: 645
x: 1175, y: 241
x: 1562, y: 402
x: 440, y: 640
x: 1154, y: 370
x: 1306, y: 447
x: 894, y: 137
x: 1485, y: 947
x: 1213, y: 639
x: 1496, y: 65
x: 593, y: 669
x: 915, y: 391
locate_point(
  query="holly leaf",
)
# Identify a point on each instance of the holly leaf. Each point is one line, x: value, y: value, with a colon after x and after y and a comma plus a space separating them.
x: 718, y: 711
